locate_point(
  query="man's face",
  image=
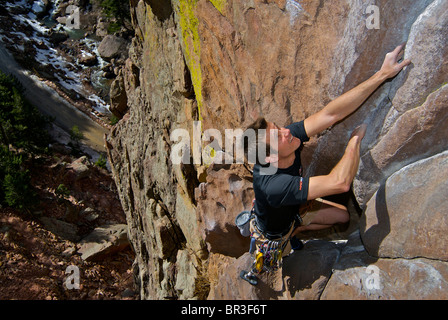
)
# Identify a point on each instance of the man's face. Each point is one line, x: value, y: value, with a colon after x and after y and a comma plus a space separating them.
x: 287, y: 143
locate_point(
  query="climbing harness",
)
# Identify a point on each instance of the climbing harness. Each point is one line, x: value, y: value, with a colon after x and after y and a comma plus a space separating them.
x: 266, y: 249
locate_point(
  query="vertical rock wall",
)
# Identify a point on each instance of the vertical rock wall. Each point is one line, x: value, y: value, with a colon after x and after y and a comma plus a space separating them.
x: 224, y: 63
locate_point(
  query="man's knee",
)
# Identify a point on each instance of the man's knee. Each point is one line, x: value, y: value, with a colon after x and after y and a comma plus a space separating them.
x: 345, y: 217
x: 342, y: 214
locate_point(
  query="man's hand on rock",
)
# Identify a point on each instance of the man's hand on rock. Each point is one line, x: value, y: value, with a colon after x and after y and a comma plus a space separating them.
x: 391, y: 65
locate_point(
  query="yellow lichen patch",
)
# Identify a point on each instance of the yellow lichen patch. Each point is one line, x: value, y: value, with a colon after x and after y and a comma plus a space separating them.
x: 189, y: 24
x: 220, y: 5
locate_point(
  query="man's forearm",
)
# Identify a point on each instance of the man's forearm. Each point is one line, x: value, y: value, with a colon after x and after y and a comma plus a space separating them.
x: 343, y: 106
x: 340, y: 178
x: 350, y: 101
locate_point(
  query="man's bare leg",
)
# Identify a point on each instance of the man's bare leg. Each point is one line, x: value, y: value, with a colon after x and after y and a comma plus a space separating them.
x: 328, y: 215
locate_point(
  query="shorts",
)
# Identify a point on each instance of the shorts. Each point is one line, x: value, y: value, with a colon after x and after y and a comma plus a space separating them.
x: 310, y: 210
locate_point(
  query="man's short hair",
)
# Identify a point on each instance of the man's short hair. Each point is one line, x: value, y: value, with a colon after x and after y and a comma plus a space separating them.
x: 251, y: 147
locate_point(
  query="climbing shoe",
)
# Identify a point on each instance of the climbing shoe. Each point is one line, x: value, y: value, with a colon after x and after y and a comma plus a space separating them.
x: 249, y: 277
x: 296, y: 244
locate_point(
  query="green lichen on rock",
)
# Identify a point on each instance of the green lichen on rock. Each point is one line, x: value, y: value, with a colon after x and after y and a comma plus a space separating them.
x: 189, y: 25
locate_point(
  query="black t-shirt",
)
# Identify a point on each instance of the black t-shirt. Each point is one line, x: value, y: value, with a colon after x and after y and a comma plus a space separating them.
x: 279, y: 196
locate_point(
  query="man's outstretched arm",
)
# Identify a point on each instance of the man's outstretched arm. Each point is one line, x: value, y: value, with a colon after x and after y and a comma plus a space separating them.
x: 350, y: 101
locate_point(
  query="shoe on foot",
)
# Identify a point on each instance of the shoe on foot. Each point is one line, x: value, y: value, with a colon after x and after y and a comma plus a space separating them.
x: 249, y: 277
x: 296, y: 244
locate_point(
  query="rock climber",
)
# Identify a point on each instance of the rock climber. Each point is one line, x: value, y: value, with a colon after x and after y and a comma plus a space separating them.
x: 286, y: 197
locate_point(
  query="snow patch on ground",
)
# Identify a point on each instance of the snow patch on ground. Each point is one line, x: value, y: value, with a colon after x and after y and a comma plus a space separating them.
x: 68, y: 74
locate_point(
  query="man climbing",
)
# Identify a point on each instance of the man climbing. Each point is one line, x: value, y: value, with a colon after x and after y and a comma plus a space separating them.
x: 285, y: 196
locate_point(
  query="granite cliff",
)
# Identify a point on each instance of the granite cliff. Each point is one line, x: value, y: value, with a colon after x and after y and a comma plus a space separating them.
x: 223, y: 63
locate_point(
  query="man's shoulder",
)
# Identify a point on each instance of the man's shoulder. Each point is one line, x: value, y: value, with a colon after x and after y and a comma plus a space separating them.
x: 298, y: 130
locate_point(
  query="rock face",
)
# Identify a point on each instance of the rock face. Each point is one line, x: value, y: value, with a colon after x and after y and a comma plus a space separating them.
x: 400, y: 222
x: 223, y: 64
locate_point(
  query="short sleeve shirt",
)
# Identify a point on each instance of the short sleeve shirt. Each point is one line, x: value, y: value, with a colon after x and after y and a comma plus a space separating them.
x: 279, y: 196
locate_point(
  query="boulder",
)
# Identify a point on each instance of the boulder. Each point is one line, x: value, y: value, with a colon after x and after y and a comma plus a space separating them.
x: 112, y: 47
x: 359, y: 276
x: 388, y: 279
x: 88, y: 59
x: 41, y: 7
x: 79, y: 168
x: 58, y: 36
x: 408, y: 216
x: 63, y: 229
x: 104, y: 241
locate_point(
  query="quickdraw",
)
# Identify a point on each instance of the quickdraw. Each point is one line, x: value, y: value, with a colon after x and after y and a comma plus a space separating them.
x: 268, y: 258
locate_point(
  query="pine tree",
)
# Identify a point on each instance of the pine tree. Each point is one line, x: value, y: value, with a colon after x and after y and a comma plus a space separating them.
x: 22, y: 133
